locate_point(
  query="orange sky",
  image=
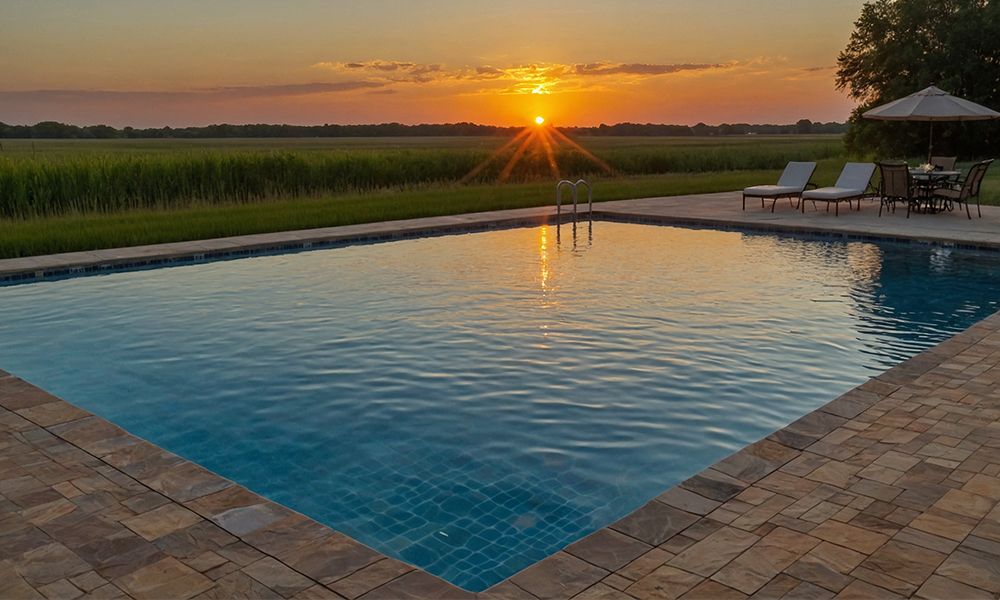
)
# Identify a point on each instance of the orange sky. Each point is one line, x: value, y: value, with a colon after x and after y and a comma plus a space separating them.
x: 186, y: 62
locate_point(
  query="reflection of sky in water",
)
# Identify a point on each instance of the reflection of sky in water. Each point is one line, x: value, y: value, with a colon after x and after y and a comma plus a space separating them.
x: 473, y: 403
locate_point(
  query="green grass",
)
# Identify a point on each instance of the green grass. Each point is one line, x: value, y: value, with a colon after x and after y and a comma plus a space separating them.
x: 59, y: 177
x: 29, y: 237
x: 68, y: 195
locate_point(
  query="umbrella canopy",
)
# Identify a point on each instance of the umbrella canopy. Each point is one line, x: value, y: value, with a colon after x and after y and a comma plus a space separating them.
x: 931, y: 104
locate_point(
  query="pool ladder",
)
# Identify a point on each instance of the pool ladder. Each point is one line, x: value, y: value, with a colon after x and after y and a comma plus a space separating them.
x: 575, y: 186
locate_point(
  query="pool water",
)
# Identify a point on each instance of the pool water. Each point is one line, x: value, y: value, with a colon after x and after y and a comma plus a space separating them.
x: 472, y: 403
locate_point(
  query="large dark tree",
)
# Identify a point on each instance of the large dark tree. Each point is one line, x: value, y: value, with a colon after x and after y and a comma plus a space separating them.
x: 901, y: 46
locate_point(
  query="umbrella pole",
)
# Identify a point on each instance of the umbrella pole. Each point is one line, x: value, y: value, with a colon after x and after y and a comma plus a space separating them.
x: 930, y: 144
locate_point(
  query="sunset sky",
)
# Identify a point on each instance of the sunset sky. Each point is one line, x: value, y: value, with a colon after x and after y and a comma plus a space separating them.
x: 186, y: 62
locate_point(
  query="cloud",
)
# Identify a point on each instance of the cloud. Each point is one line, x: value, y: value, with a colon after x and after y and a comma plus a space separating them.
x: 388, y: 70
x: 808, y: 73
x: 292, y: 89
x: 549, y: 78
x: 530, y: 78
x: 224, y: 92
x: 605, y: 68
x: 489, y: 72
x: 403, y: 71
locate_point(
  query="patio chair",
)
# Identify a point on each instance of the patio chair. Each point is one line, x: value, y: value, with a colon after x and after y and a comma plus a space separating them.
x: 852, y: 184
x: 964, y: 191
x: 793, y: 181
x: 944, y: 163
x: 896, y: 186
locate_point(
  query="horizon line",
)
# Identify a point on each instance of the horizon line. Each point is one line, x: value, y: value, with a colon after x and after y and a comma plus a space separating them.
x: 421, y: 124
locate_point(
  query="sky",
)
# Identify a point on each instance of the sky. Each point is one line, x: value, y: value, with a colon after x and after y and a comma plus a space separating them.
x: 150, y: 63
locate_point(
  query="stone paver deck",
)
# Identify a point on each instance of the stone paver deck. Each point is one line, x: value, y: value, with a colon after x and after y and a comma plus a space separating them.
x: 891, y: 490
x: 723, y: 209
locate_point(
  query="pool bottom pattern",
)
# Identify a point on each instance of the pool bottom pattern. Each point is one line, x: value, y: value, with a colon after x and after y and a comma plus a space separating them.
x: 465, y: 531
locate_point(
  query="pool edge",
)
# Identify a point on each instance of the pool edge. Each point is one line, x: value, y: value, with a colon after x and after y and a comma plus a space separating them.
x: 36, y: 268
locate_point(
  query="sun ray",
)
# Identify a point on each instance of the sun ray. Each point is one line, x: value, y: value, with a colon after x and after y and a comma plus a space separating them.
x: 509, y: 167
x: 546, y: 138
x: 600, y: 163
x: 479, y: 168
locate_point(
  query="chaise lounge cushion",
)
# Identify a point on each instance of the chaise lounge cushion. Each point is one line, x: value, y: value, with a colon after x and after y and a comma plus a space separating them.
x: 832, y: 193
x: 793, y: 180
x: 852, y: 183
x: 770, y: 191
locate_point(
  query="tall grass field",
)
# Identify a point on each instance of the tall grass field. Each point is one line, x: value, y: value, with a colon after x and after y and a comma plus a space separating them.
x: 67, y: 195
x: 49, y: 178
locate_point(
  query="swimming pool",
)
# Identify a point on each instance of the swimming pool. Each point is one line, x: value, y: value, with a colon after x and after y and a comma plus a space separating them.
x: 473, y: 403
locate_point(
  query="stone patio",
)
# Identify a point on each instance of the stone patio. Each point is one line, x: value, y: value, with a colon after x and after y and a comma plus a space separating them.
x: 891, y: 490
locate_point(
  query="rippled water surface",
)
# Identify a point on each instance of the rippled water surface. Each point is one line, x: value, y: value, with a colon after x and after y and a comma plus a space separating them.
x: 473, y: 403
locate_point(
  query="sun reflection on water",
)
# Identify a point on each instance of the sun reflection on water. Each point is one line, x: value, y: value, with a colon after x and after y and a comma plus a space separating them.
x: 543, y: 254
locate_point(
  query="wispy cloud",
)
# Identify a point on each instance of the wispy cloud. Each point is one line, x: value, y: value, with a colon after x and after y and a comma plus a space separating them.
x: 387, y: 70
x: 384, y: 77
x: 530, y: 78
x: 224, y: 92
x: 293, y: 89
x: 809, y: 73
x: 605, y: 68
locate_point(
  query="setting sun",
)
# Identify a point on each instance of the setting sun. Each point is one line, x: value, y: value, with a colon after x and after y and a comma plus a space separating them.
x: 539, y: 120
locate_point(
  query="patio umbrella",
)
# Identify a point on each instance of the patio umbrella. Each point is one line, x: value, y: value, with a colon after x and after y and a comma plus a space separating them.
x: 931, y: 104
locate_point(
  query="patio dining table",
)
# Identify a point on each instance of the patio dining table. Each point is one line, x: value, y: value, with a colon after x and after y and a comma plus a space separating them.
x: 925, y: 183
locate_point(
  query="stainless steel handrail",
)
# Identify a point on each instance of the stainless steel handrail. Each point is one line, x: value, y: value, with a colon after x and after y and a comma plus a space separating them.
x: 574, y: 185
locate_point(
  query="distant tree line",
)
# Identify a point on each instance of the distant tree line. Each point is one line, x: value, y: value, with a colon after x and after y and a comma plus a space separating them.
x: 803, y: 126
x: 55, y: 130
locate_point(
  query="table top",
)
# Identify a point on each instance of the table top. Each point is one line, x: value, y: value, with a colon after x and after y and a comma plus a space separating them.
x: 920, y: 173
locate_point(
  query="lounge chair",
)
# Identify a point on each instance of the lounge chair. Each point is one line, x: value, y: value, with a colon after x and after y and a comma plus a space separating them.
x: 791, y: 184
x: 896, y: 186
x: 852, y: 184
x: 964, y: 191
x: 944, y: 163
